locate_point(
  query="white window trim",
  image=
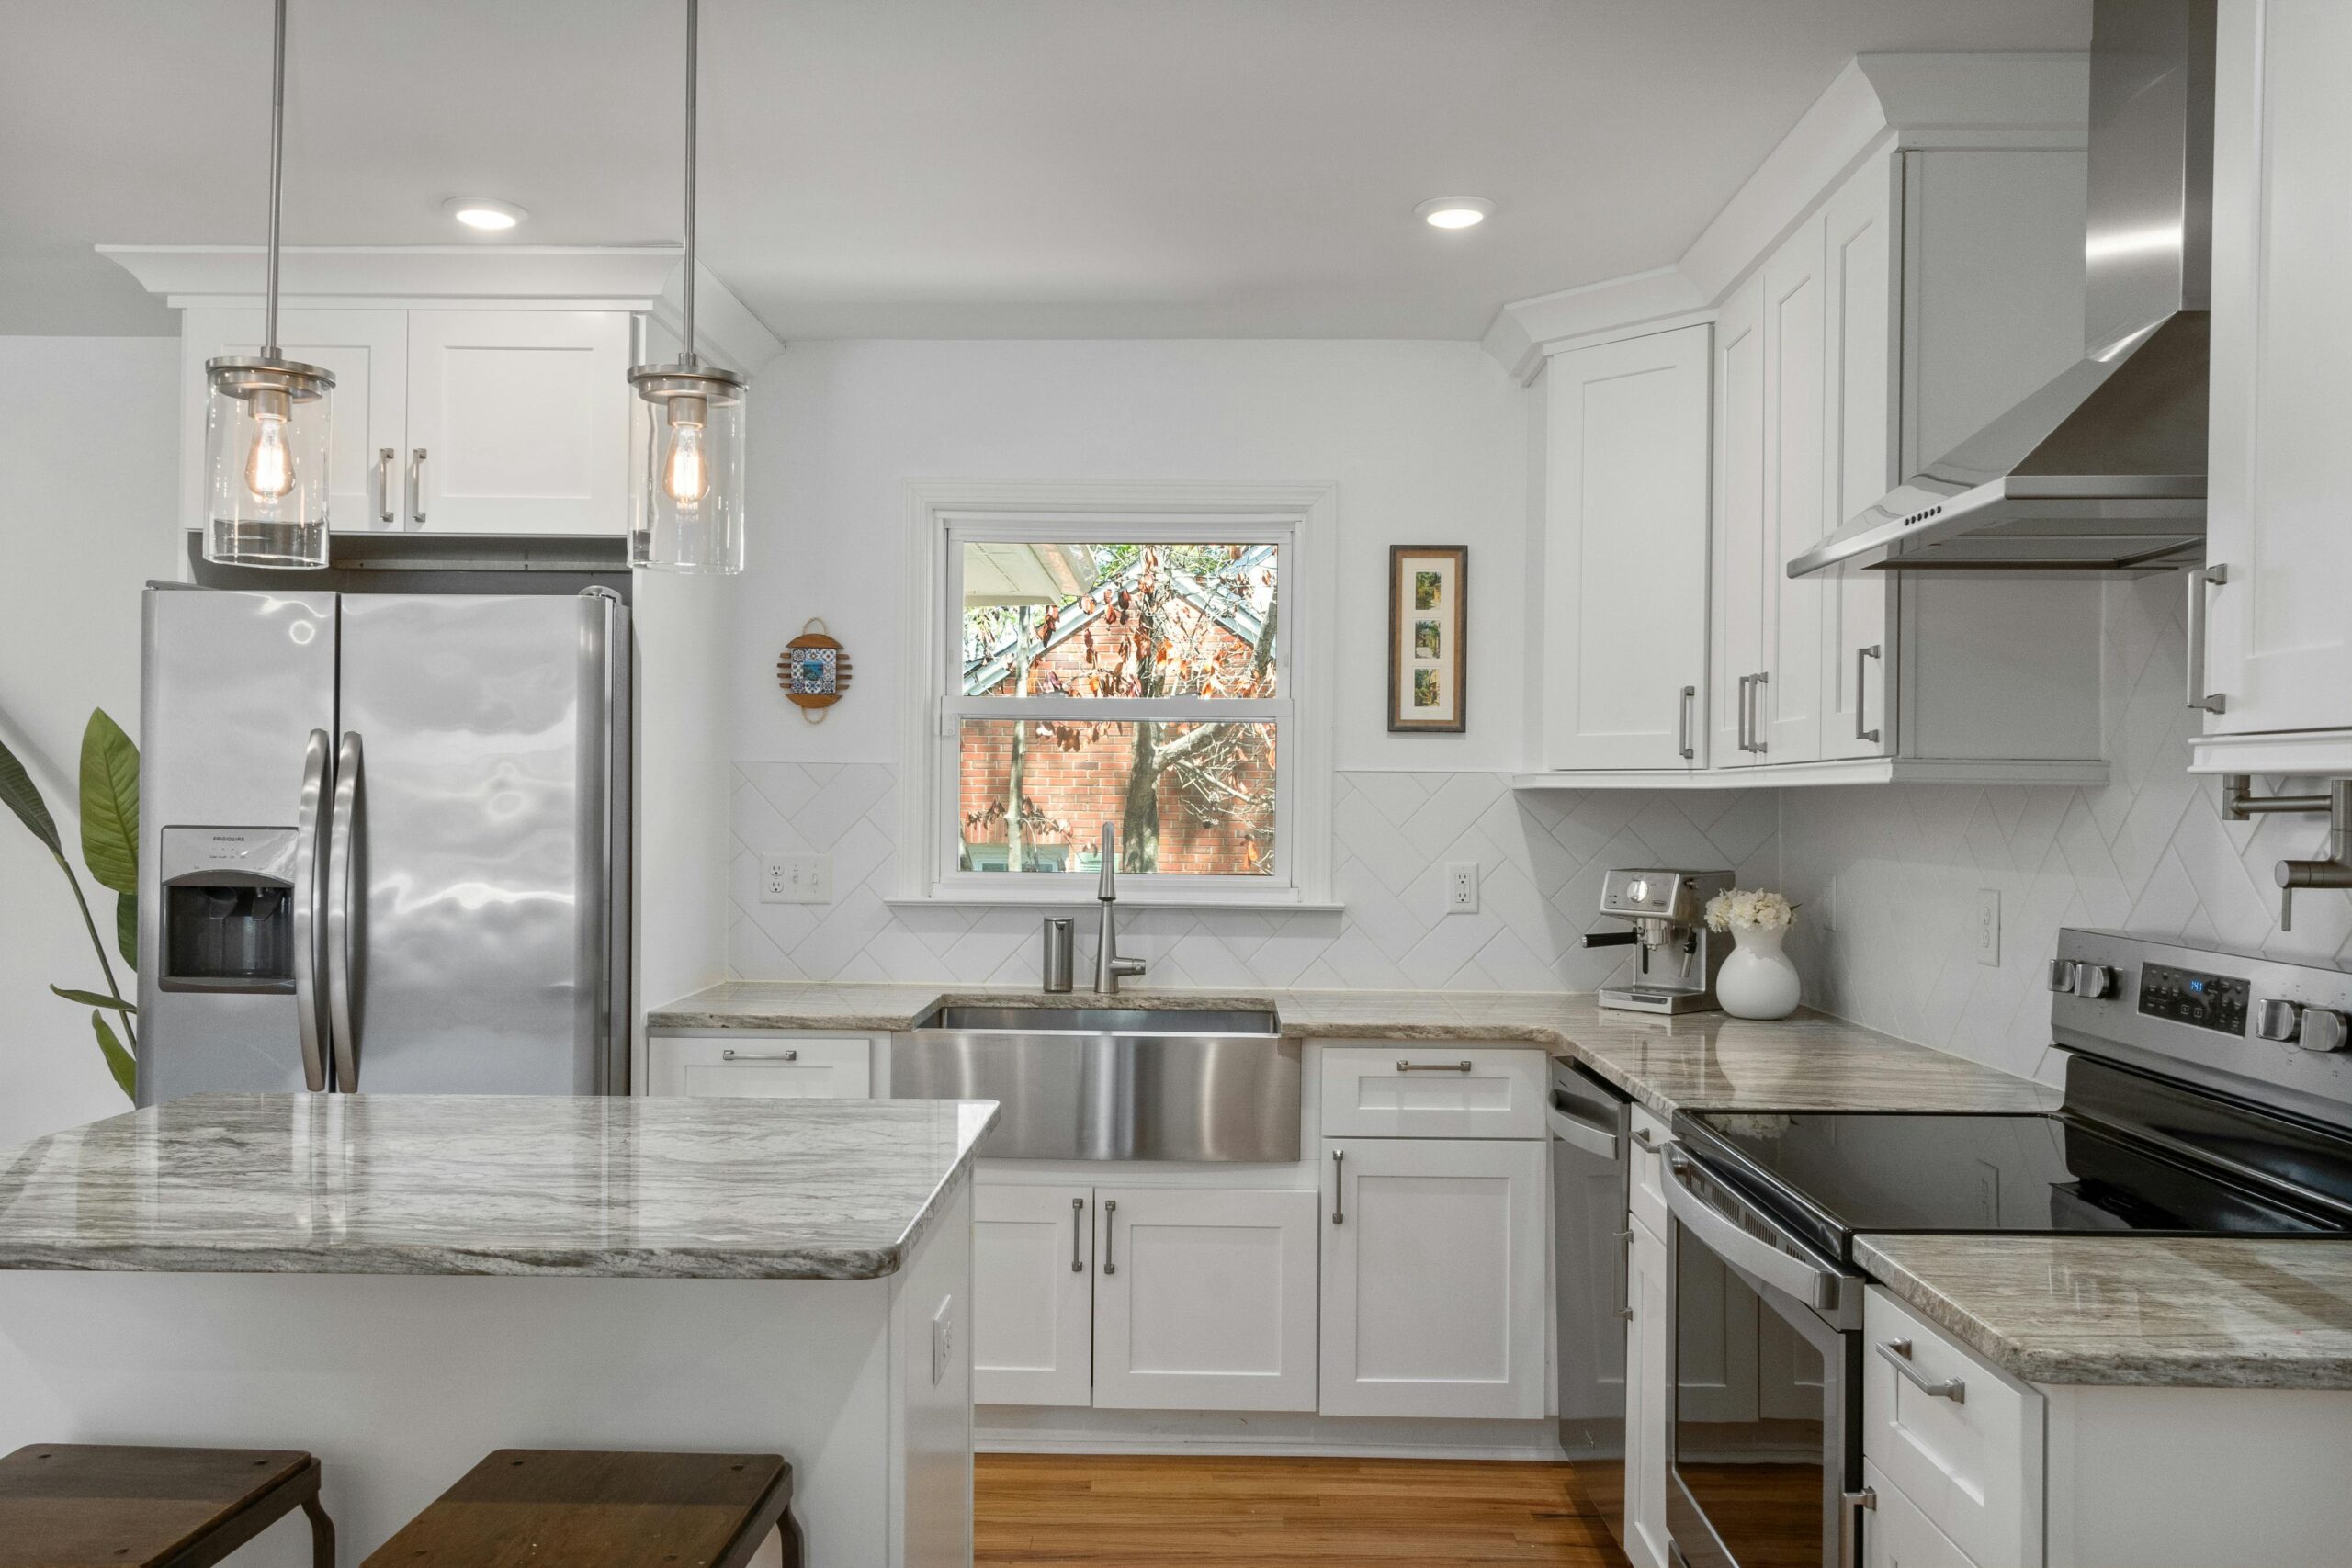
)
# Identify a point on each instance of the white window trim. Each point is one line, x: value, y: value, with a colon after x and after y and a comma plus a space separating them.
x: 1304, y: 821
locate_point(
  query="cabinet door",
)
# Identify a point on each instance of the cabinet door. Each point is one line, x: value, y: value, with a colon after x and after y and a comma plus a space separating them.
x: 1033, y: 1294
x: 367, y: 352
x: 2280, y: 646
x: 1858, y: 307
x: 1740, y: 543
x: 1205, y: 1300
x: 753, y: 1066
x: 1896, y: 1534
x: 523, y: 417
x: 1795, y: 500
x: 1647, y: 1337
x: 1625, y: 554
x: 1433, y: 1278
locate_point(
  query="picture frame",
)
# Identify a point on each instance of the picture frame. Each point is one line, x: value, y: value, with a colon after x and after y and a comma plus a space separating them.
x: 1429, y: 656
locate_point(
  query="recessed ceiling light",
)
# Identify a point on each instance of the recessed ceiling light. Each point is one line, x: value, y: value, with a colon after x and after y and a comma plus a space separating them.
x: 1455, y: 211
x: 482, y: 212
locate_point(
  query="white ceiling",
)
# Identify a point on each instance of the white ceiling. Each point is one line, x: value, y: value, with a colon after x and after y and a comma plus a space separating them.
x: 965, y: 168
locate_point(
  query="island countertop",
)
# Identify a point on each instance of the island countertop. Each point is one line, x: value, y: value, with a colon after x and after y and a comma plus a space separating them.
x: 488, y: 1184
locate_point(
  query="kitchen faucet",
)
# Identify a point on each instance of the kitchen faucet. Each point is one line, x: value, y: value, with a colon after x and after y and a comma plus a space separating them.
x: 1109, y: 967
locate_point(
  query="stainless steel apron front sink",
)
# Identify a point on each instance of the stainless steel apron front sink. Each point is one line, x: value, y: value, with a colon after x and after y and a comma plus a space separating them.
x: 1110, y: 1082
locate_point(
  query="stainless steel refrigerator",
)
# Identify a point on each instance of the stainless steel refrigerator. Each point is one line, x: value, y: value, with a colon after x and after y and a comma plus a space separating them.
x: 383, y: 843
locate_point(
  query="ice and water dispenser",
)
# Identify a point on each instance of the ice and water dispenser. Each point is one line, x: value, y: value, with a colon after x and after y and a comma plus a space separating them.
x: 228, y: 916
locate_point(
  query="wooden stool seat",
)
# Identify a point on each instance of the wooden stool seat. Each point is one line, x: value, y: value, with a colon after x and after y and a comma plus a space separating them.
x: 567, y: 1508
x: 82, y: 1506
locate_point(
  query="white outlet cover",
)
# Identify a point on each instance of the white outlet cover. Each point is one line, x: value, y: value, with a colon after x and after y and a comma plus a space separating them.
x: 1988, y: 927
x: 796, y: 879
x: 1461, y: 888
x: 942, y: 1340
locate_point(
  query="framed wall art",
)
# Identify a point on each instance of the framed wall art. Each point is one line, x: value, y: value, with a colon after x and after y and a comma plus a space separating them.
x: 1429, y: 663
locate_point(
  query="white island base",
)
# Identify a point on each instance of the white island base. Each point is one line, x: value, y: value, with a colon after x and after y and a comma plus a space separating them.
x: 401, y: 1382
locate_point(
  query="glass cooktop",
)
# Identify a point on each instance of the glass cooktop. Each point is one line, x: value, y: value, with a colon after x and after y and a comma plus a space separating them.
x: 1836, y: 1174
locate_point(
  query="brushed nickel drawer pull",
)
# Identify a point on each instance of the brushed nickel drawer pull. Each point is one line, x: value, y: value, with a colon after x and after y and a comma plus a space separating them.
x: 1898, y: 1355
x: 730, y: 1054
x: 1461, y: 1067
x: 1077, y: 1236
x: 1339, y: 1187
x: 1863, y: 656
x: 1110, y: 1227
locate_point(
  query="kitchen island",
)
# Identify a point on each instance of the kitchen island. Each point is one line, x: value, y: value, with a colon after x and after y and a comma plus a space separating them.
x: 402, y: 1284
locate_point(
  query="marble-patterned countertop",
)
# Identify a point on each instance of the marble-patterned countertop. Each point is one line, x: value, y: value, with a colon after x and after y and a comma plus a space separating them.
x: 490, y: 1184
x: 2175, y: 1312
x: 1705, y: 1061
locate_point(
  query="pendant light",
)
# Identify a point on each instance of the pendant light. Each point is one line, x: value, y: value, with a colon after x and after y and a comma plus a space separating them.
x: 689, y: 510
x: 266, y: 424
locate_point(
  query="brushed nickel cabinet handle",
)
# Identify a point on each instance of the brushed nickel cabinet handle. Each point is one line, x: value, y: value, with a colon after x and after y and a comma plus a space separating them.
x: 1339, y: 1187
x: 416, y: 486
x: 1078, y: 1236
x: 2201, y: 578
x: 1849, y: 1525
x: 1739, y: 716
x: 385, y: 457
x: 1861, y: 656
x: 1110, y: 1224
x: 1756, y: 712
x: 1897, y: 1353
x: 1461, y: 1067
x: 1683, y: 747
x: 731, y: 1055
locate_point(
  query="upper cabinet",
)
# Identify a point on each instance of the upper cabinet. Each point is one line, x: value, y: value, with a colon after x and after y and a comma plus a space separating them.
x: 478, y: 389
x: 2277, y: 645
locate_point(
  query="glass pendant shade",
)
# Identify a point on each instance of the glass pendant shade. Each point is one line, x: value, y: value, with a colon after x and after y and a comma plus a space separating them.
x: 688, y: 514
x: 265, y: 432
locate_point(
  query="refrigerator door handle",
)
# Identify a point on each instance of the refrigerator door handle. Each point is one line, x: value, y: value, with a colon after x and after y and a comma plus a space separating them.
x: 344, y: 888
x: 309, y: 878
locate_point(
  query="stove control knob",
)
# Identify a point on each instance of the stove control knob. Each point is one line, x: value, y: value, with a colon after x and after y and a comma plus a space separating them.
x: 2061, y: 975
x: 2094, y: 980
x: 2275, y: 1019
x: 2322, y: 1030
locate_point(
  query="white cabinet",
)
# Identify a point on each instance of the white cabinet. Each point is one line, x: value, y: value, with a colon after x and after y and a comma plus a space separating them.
x: 1742, y: 553
x: 1033, y: 1294
x: 1433, y: 1278
x: 1648, y: 1364
x: 761, y: 1066
x: 1409, y: 1091
x: 472, y: 421
x: 1896, y: 1534
x: 1960, y: 1440
x: 1205, y: 1300
x: 1624, y: 570
x: 2280, y: 646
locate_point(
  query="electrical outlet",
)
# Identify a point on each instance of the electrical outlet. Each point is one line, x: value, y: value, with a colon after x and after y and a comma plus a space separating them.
x: 942, y: 1340
x: 796, y: 879
x: 1988, y: 927
x: 1461, y: 888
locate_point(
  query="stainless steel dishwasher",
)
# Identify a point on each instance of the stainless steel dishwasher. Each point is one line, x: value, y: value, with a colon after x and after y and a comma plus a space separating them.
x: 1592, y: 1126
x: 1112, y: 1083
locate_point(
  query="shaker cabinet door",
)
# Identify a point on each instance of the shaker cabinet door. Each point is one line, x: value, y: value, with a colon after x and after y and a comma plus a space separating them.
x: 1033, y: 1294
x: 1648, y: 1364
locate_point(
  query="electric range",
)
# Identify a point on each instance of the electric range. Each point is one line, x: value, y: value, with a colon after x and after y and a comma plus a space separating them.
x: 2207, y: 1093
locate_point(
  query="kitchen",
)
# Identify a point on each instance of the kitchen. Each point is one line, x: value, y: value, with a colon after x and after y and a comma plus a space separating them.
x: 1322, y: 1216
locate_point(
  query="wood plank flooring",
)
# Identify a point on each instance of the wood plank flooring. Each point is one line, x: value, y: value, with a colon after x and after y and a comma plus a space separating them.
x: 1186, y: 1511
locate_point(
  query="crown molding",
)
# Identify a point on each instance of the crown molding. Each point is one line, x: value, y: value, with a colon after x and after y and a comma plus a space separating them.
x: 1879, y: 103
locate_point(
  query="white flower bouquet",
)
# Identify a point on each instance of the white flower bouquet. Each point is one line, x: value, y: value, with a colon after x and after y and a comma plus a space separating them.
x: 1749, y: 909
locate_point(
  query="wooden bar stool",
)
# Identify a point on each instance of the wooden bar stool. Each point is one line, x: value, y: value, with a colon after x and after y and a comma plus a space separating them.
x: 567, y: 1508
x: 81, y: 1505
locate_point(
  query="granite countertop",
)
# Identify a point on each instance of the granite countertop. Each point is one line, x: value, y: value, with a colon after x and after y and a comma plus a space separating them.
x: 486, y: 1184
x: 1695, y: 1062
x: 2170, y: 1311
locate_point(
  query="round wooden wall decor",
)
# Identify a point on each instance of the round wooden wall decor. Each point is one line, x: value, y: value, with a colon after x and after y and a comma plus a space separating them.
x: 813, y: 671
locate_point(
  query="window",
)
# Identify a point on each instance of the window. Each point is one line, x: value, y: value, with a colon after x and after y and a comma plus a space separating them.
x: 1130, y: 667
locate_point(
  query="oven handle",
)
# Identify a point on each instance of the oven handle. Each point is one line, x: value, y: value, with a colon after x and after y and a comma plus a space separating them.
x: 1725, y: 1235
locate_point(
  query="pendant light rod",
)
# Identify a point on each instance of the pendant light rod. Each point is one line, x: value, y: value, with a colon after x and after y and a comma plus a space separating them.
x: 693, y: 59
x: 276, y: 174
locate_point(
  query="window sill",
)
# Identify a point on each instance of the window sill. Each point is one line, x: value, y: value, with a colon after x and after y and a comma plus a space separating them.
x: 1285, y: 902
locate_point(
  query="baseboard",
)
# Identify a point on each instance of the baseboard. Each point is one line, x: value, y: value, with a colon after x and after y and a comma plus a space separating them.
x: 1006, y: 1428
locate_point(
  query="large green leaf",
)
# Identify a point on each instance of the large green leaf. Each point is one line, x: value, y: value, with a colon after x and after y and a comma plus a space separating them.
x: 118, y: 1061
x: 110, y: 804
x: 126, y: 927
x: 17, y: 789
x: 94, y: 1000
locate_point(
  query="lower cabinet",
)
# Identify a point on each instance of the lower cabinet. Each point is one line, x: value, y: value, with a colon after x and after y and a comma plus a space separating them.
x: 1144, y: 1298
x: 1898, y: 1535
x: 1648, y: 1365
x: 1433, y: 1278
x: 770, y: 1066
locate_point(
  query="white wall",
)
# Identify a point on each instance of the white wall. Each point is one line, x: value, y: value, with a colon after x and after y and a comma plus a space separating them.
x: 90, y: 478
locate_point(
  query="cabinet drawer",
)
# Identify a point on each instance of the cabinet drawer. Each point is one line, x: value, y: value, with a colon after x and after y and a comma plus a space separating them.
x: 796, y: 1066
x: 1973, y: 1465
x: 1647, y: 1195
x: 1896, y: 1534
x: 1432, y: 1091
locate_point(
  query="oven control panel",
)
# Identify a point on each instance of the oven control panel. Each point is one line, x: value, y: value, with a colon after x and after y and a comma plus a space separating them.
x: 2188, y: 996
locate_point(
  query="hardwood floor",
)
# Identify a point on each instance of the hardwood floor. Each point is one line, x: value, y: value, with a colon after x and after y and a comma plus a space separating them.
x: 1183, y: 1511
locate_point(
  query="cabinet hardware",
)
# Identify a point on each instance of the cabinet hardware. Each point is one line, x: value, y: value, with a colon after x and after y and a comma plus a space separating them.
x: 2200, y: 580
x: 1739, y: 715
x: 1860, y: 667
x: 1078, y: 1236
x: 1898, y: 1355
x: 1683, y: 747
x: 1109, y: 1225
x: 1756, y: 712
x: 1849, y: 1525
x: 1339, y: 1187
x: 385, y: 457
x: 1626, y: 1274
x: 733, y: 1055
x: 416, y: 485
x: 1642, y: 1136
x: 1461, y: 1067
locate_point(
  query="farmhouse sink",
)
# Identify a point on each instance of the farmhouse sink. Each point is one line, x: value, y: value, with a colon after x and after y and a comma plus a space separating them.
x: 1112, y: 1083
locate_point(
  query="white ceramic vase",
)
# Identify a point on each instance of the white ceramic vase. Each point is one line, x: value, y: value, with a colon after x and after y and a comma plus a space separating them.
x: 1758, y: 980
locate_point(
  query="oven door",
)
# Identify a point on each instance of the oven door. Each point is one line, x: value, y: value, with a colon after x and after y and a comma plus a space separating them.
x: 1764, y: 1438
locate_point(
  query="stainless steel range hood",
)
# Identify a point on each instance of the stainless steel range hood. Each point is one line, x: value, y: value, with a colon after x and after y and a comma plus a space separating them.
x: 2103, y: 470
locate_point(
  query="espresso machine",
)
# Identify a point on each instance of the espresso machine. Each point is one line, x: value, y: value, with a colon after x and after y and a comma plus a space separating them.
x: 1676, y: 957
